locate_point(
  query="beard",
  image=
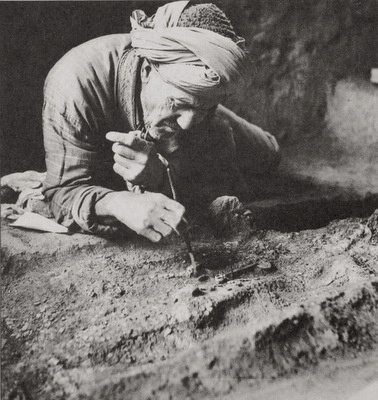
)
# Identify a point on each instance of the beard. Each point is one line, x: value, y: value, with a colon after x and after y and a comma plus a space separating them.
x: 163, y: 131
x: 158, y: 129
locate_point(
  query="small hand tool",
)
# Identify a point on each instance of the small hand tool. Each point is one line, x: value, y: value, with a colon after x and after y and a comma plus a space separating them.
x: 193, y: 269
x: 183, y: 231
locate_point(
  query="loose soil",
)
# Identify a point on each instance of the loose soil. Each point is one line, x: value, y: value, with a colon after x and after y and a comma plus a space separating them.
x: 87, y: 317
x: 92, y: 318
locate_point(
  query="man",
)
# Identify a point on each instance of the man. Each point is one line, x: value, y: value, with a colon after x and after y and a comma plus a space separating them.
x: 133, y: 126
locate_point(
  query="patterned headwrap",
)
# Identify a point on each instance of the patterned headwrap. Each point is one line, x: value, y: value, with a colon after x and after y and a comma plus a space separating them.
x: 196, y: 60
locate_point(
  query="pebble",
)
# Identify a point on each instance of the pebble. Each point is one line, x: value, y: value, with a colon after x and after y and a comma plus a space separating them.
x: 265, y: 265
x: 25, y: 327
x: 171, y: 275
x: 203, y: 278
x: 198, y: 292
x: 120, y: 291
x: 230, y: 244
x: 221, y: 278
x: 53, y: 361
x: 61, y: 330
x: 86, y: 363
x: 167, y: 331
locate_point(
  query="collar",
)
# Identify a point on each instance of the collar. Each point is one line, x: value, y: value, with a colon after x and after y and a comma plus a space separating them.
x: 128, y: 89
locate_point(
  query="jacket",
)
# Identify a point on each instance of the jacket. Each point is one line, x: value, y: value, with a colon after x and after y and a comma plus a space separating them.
x: 94, y: 89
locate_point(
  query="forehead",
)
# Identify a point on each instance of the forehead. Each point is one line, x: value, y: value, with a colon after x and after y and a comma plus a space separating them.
x: 195, y: 101
x: 167, y: 90
x: 186, y: 99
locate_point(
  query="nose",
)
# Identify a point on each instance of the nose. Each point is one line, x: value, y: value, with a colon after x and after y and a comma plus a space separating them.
x: 186, y: 119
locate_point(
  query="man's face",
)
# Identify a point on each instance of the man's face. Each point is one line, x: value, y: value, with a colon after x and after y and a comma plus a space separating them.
x: 168, y: 110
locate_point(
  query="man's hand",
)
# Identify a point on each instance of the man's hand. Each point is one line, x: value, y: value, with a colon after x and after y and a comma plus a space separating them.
x: 152, y: 215
x: 136, y: 160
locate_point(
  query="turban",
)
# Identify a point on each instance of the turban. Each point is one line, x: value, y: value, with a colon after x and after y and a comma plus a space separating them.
x: 196, y: 60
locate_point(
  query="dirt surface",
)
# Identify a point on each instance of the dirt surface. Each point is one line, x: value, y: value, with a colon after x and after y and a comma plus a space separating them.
x: 286, y: 306
x: 85, y: 317
x: 293, y: 314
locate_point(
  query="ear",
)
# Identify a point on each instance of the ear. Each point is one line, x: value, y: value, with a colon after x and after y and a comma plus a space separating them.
x: 145, y: 71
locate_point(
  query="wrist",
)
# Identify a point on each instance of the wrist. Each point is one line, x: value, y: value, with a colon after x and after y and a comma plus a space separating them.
x: 108, y: 205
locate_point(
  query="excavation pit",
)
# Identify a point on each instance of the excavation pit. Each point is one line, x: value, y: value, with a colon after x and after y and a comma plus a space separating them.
x: 79, y: 325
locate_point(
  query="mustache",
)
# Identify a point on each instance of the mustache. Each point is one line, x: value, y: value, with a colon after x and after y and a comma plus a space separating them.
x: 172, y: 126
x: 169, y: 124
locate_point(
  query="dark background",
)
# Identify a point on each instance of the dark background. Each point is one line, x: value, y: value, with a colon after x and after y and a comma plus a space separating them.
x: 35, y: 35
x: 300, y: 49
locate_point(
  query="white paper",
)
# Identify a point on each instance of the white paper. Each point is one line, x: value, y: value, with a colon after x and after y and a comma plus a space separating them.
x: 35, y: 221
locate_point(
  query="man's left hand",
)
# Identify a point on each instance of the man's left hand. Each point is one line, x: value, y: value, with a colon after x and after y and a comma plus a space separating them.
x: 136, y: 160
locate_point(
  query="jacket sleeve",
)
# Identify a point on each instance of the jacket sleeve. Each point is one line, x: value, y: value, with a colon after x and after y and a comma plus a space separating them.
x: 72, y: 165
x: 257, y: 151
x: 79, y: 107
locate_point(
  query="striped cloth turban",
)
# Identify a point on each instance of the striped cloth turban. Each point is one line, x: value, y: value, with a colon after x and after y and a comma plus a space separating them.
x: 196, y: 60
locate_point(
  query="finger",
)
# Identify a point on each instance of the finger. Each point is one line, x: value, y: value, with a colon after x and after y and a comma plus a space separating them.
x: 132, y: 173
x: 140, y: 156
x: 151, y: 234
x: 173, y: 205
x: 124, y: 151
x: 120, y: 170
x: 171, y: 219
x: 162, y: 228
x: 128, y: 139
x: 124, y: 162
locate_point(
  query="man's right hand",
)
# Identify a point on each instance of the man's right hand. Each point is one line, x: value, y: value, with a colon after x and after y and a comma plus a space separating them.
x: 152, y: 215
